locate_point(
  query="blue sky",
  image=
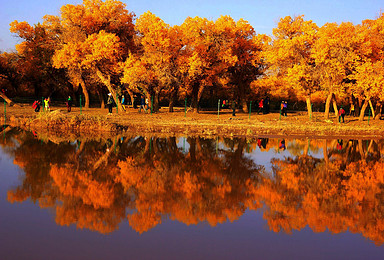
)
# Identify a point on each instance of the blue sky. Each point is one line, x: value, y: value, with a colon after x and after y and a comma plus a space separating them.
x: 263, y: 15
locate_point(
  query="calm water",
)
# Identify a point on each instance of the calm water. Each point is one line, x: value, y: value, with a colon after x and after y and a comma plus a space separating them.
x: 148, y: 197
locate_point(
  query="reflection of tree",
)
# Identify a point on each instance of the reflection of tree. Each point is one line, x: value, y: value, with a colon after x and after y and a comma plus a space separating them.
x: 339, y: 196
x: 56, y: 176
x: 364, y: 192
x: 89, y: 199
x: 147, y: 179
x: 199, y: 186
x: 354, y: 150
x: 35, y: 158
x: 304, y: 146
x: 156, y: 180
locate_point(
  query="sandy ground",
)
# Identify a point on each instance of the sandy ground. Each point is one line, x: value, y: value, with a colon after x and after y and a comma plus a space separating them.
x: 206, y: 123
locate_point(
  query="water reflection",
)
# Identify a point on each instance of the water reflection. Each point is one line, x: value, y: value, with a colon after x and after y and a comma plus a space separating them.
x: 99, y: 183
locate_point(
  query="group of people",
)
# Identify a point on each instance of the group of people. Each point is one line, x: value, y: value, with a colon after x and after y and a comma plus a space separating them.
x: 36, y: 105
x: 46, y: 103
x: 283, y: 108
x: 342, y: 112
x: 262, y: 143
x: 264, y: 106
x: 144, y: 103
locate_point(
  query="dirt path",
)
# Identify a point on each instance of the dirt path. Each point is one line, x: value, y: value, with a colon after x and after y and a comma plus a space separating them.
x: 203, y: 124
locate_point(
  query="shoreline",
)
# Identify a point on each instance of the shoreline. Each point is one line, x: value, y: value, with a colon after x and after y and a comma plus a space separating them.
x: 206, y: 123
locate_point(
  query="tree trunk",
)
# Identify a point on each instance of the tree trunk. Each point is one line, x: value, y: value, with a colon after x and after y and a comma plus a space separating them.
x: 80, y: 79
x: 309, y: 107
x: 199, y: 95
x: 335, y: 106
x: 195, y: 105
x: 242, y: 96
x: 37, y: 90
x: 171, y: 104
x: 131, y: 96
x: 107, y: 82
x: 379, y: 107
x: 327, y: 105
x: 195, y: 99
x: 104, y: 158
x: 8, y: 100
x: 192, y: 148
x: 148, y: 145
x: 173, y: 146
x: 173, y: 99
x: 101, y: 98
x: 150, y: 105
x: 372, y: 110
x: 306, y: 148
x: 369, y: 146
x: 361, y: 148
x: 156, y: 102
x: 5, y: 129
x: 358, y: 108
x: 244, y: 106
x: 362, y: 111
x: 85, y: 92
x: 325, y: 152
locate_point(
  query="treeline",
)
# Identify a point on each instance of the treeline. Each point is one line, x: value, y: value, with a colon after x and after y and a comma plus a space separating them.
x: 99, y: 47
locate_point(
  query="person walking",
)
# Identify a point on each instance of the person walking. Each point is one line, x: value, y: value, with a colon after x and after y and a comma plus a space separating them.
x: 233, y: 108
x: 282, y: 108
x: 341, y: 114
x: 142, y: 105
x: 261, y: 105
x: 266, y: 105
x: 285, y: 108
x: 69, y: 103
x: 110, y: 103
x: 123, y: 102
x: 352, y: 110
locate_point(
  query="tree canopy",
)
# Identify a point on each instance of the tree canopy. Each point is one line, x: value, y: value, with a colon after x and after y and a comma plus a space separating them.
x: 101, y: 47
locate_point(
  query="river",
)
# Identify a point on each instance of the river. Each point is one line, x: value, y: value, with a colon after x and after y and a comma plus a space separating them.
x: 178, y: 197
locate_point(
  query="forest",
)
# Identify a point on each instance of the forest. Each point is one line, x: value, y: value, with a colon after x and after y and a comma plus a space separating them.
x: 100, y: 47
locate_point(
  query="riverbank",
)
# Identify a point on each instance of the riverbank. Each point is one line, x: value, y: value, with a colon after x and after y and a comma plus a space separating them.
x: 94, y: 120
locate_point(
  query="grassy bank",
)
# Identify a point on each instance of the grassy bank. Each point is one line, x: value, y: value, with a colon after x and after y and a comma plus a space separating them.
x: 203, y: 124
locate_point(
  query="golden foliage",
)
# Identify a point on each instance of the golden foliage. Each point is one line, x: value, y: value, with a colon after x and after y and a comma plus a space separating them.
x: 369, y: 80
x: 290, y: 53
x: 99, y: 39
x: 23, y: 29
x: 82, y: 185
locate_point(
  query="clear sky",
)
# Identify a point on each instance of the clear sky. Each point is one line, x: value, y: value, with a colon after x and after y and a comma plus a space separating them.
x: 263, y: 15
